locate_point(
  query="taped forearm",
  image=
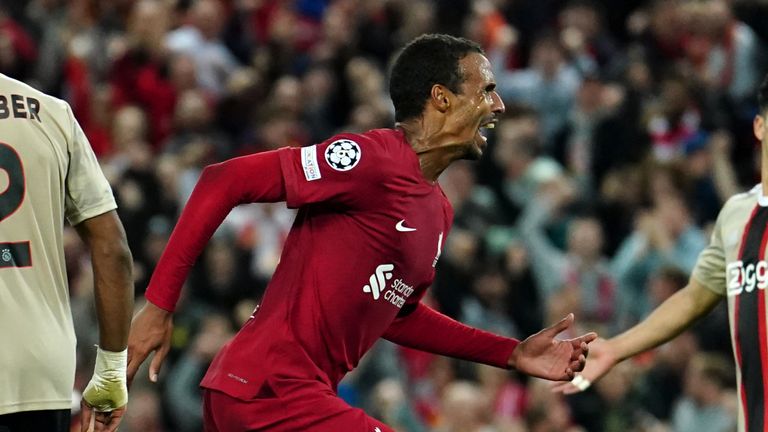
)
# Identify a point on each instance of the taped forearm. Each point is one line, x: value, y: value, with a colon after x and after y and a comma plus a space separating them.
x: 108, y: 389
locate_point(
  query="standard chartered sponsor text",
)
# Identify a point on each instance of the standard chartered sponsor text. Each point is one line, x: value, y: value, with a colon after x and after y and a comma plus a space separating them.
x: 398, y: 292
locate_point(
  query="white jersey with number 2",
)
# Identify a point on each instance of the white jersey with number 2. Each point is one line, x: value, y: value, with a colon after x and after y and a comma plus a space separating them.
x: 48, y: 172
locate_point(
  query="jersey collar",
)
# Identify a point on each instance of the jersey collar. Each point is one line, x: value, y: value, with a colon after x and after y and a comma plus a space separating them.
x: 762, y: 200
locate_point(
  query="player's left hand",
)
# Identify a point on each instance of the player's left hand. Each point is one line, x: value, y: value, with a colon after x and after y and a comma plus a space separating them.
x: 543, y: 356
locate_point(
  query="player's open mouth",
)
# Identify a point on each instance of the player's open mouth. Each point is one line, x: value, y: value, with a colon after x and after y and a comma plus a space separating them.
x: 483, y: 129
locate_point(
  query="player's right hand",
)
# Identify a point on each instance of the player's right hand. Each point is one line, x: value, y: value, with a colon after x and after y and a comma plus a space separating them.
x: 150, y: 331
x: 601, y: 360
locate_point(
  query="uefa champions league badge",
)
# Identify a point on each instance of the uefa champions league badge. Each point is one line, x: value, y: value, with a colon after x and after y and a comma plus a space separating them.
x: 343, y: 154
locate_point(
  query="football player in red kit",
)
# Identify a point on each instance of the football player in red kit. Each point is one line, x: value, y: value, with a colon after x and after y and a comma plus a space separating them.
x: 371, y: 224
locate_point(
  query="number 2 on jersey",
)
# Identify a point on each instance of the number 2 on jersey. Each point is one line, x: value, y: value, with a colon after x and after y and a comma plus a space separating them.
x: 13, y: 254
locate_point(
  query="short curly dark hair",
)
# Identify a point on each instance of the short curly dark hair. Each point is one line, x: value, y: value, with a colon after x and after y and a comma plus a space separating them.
x: 427, y: 60
x: 762, y: 96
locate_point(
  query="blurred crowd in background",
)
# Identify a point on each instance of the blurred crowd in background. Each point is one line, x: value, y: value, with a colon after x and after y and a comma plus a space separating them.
x: 628, y: 125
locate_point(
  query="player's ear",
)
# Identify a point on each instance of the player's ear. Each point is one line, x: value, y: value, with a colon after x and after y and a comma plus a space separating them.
x: 440, y: 97
x: 758, y: 126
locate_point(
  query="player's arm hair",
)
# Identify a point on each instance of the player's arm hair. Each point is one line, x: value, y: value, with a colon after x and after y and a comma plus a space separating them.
x: 113, y: 277
x: 668, y: 320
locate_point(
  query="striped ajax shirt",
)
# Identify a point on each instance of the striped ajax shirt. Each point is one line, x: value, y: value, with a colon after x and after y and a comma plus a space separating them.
x: 734, y: 265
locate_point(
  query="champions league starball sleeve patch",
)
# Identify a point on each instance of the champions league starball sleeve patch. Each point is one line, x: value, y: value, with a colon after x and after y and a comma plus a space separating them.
x: 343, y: 154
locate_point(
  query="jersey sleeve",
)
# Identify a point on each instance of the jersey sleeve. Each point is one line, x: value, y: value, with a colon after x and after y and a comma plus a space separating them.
x: 88, y: 193
x: 345, y: 170
x: 710, y: 266
x: 418, y: 328
x: 221, y: 187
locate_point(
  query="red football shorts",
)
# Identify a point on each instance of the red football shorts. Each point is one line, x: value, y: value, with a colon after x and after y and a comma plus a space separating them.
x: 316, y: 412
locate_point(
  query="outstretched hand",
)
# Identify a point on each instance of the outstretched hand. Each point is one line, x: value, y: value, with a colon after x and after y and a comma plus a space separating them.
x: 150, y: 331
x: 543, y: 356
x: 601, y: 360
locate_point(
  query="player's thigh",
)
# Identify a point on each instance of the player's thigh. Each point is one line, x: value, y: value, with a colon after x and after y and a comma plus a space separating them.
x: 25, y: 421
x: 311, y: 412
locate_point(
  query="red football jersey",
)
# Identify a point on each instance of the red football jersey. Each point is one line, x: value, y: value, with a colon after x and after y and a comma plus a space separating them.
x: 357, y: 261
x: 365, y: 242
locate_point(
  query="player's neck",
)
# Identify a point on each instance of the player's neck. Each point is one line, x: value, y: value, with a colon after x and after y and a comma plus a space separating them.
x: 435, y: 149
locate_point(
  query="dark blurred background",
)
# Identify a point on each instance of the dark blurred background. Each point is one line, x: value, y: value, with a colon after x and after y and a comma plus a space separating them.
x: 628, y: 125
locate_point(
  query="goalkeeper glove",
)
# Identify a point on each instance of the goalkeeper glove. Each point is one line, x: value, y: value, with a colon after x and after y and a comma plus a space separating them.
x: 108, y: 389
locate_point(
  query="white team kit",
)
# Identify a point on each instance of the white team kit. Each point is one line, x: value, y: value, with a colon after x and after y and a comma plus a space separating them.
x: 734, y: 265
x: 47, y: 172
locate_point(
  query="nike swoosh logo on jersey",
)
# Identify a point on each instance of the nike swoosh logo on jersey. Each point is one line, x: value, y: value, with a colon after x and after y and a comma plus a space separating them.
x: 402, y: 228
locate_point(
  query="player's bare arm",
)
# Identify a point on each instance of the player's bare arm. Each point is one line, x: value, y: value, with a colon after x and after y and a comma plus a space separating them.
x: 113, y: 267
x: 107, y: 393
x: 667, y: 321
